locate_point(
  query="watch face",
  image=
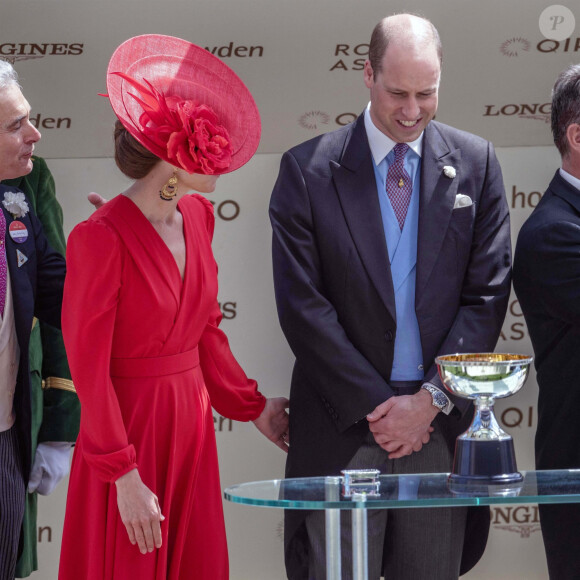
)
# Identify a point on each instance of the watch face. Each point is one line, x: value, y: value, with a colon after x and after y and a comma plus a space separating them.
x: 439, y: 399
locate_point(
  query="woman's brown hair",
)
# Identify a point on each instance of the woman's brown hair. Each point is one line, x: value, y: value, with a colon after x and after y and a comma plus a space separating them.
x: 134, y: 160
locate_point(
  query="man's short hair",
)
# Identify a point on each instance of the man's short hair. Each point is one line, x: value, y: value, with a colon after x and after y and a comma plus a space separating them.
x: 8, y: 75
x: 384, y: 32
x: 565, y: 106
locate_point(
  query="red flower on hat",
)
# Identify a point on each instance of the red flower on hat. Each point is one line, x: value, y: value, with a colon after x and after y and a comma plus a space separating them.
x: 189, y: 132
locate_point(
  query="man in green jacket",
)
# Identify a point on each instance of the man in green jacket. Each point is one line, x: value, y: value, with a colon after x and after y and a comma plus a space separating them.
x: 55, y: 406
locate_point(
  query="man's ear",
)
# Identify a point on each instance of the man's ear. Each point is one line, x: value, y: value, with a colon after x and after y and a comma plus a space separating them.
x: 368, y: 74
x: 573, y: 137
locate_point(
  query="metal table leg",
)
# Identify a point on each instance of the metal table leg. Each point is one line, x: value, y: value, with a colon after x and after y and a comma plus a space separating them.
x: 332, y: 516
x: 360, y: 566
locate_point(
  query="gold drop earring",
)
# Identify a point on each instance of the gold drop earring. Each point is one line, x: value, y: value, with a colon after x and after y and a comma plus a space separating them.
x: 169, y: 190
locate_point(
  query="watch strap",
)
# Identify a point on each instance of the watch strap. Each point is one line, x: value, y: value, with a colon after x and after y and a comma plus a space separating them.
x: 439, y: 398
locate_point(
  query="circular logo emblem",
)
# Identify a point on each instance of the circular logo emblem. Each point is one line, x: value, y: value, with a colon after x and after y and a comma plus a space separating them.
x: 313, y: 119
x: 513, y: 46
x: 18, y: 232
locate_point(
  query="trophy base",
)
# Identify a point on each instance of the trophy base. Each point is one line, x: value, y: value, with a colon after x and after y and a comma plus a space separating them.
x: 475, y: 488
x: 485, y: 462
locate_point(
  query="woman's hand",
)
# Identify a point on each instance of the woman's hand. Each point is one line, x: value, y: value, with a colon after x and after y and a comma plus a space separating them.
x: 273, y: 422
x: 140, y: 511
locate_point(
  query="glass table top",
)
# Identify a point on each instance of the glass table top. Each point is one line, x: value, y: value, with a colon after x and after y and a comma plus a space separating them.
x: 405, y: 491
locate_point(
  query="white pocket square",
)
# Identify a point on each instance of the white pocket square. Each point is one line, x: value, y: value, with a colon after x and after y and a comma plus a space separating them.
x: 462, y: 201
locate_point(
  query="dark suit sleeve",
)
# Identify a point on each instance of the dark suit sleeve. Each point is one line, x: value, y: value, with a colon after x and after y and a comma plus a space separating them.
x: 61, y: 408
x: 547, y: 270
x: 50, y: 273
x: 348, y: 384
x: 486, y: 283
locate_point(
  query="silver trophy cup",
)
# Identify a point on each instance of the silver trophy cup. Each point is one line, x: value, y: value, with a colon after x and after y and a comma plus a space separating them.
x: 484, y: 454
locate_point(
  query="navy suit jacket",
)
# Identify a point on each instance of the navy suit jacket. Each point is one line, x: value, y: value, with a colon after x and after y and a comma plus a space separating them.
x: 37, y: 286
x: 547, y: 284
x: 334, y: 290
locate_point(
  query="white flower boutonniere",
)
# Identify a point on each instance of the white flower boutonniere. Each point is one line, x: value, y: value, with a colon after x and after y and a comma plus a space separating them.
x: 449, y: 171
x: 16, y: 204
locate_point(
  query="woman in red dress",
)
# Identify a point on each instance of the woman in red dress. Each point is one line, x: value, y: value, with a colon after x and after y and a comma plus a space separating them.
x: 140, y: 323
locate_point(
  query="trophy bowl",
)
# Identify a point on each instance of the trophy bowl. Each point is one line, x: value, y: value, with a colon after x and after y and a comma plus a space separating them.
x: 484, y: 454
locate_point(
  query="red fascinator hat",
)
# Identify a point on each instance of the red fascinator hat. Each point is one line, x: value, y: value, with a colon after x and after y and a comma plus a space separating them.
x: 183, y: 104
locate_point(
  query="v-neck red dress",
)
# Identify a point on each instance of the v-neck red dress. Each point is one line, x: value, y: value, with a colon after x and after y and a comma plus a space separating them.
x: 148, y: 361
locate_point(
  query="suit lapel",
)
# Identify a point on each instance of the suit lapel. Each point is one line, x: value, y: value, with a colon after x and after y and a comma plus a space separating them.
x: 356, y: 186
x: 22, y: 296
x: 436, y: 200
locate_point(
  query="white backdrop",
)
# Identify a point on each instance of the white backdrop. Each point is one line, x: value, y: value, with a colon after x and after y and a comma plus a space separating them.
x: 242, y: 248
x: 302, y: 60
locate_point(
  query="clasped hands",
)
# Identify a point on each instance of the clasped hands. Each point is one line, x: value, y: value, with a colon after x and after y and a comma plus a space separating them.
x: 402, y: 425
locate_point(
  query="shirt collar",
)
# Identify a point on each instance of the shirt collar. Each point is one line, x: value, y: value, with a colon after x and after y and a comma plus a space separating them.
x: 570, y: 178
x: 380, y: 144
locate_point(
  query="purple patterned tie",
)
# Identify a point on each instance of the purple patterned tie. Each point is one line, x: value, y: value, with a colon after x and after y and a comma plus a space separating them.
x: 2, y: 262
x: 399, y: 186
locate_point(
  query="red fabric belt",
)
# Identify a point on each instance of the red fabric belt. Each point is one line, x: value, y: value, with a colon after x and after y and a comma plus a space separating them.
x: 155, y: 366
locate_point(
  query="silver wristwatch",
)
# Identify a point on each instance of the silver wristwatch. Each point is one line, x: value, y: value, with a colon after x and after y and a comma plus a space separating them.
x: 439, y: 399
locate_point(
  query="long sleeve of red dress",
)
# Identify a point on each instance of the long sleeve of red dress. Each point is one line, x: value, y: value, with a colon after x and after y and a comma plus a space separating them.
x: 232, y: 394
x: 95, y: 263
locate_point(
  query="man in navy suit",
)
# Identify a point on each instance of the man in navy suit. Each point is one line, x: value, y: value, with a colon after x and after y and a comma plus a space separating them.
x: 391, y: 245
x: 547, y: 283
x: 31, y: 284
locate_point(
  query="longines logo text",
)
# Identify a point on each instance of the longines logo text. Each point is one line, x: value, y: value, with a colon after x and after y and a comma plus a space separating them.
x: 517, y: 46
x: 229, y: 50
x: 523, y: 520
x: 350, y: 57
x: 12, y: 51
x: 538, y: 111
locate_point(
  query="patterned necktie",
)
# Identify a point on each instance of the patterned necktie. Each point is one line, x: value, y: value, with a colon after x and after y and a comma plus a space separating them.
x: 399, y: 186
x: 2, y: 262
